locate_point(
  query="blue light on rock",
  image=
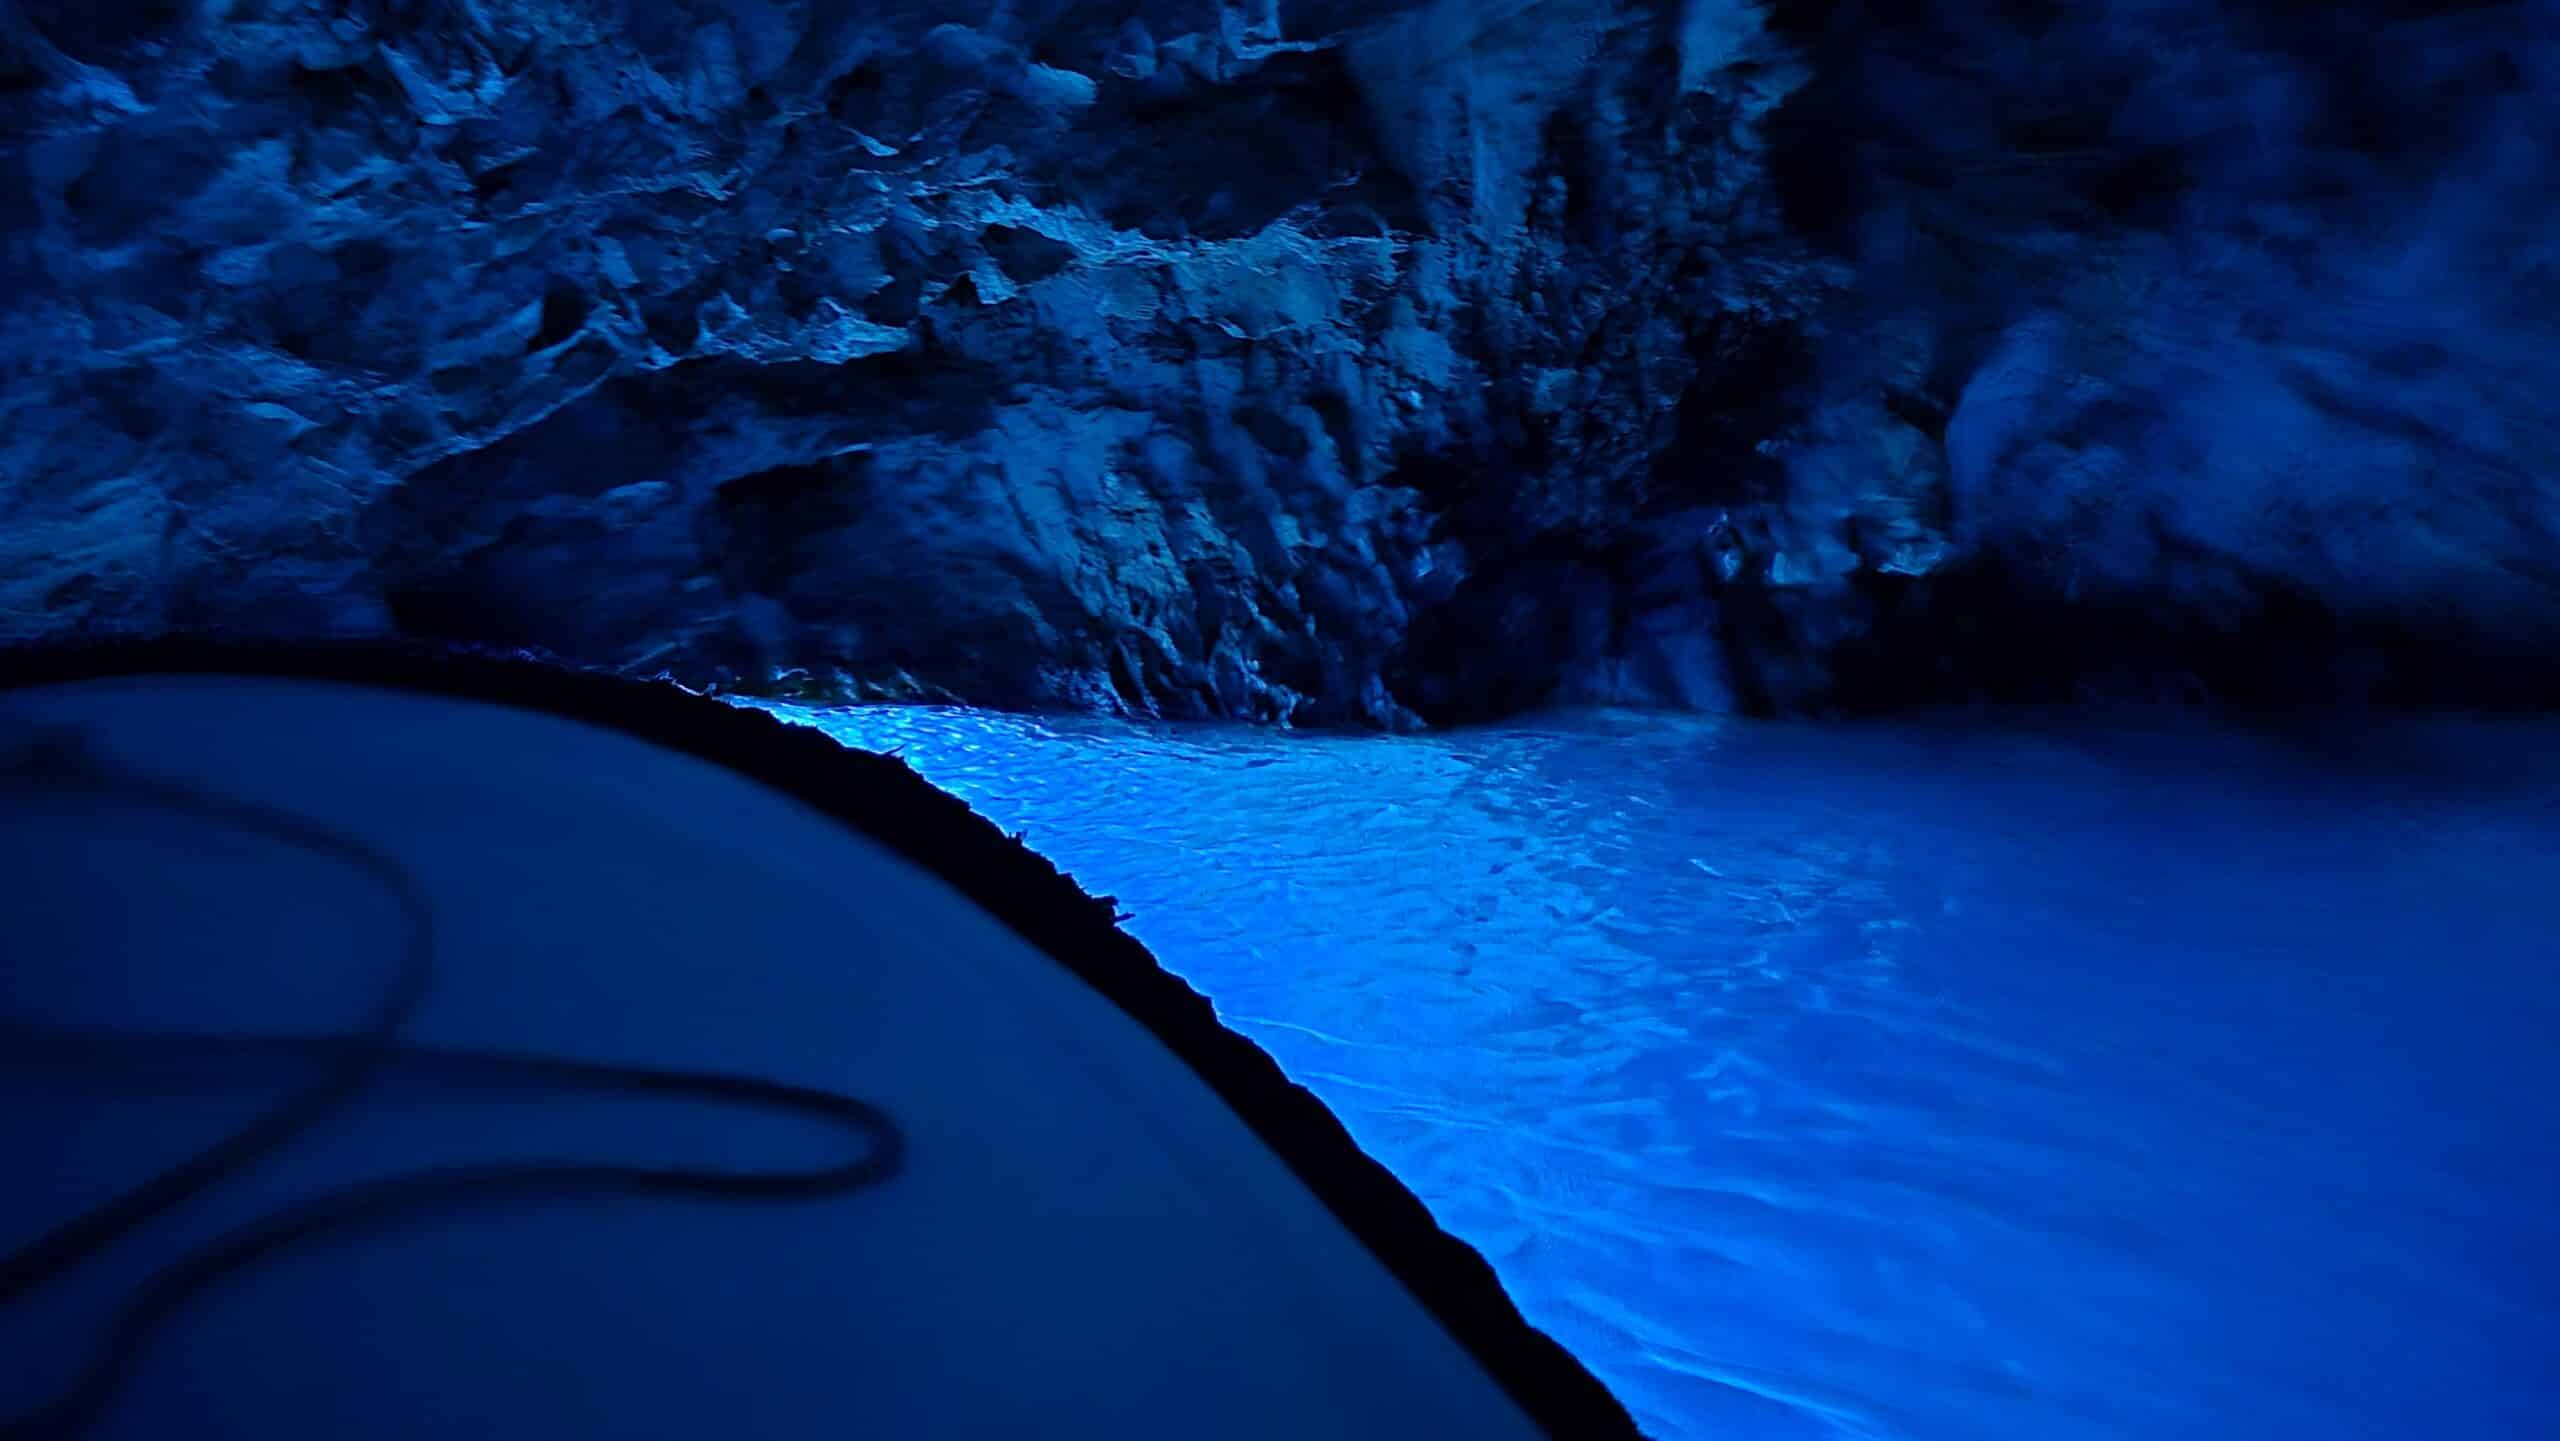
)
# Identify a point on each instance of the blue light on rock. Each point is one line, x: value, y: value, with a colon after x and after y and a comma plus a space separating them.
x: 1347, y: 362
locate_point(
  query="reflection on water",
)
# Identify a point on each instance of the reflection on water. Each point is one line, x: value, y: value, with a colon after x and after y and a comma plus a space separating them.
x: 1919, y: 1083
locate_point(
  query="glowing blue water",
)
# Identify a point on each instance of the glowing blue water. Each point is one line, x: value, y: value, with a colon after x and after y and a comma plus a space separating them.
x: 1920, y: 1083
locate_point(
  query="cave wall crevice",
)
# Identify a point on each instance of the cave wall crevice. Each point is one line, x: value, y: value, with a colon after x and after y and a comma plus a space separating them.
x: 1383, y: 363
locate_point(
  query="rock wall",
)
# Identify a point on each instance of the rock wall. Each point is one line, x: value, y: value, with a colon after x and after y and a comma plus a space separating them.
x: 2211, y: 345
x: 1308, y: 359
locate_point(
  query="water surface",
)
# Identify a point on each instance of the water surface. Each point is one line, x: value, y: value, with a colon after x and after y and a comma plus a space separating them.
x: 1933, y: 1082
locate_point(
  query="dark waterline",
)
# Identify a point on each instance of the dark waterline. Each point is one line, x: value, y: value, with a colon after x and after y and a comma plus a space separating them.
x: 1927, y: 1082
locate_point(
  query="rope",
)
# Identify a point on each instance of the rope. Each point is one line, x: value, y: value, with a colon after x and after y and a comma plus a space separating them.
x: 62, y: 763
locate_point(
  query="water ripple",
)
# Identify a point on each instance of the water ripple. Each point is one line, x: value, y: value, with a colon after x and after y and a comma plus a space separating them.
x: 1921, y: 1083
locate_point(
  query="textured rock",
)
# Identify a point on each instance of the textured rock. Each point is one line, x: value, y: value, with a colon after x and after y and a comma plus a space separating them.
x: 1298, y: 358
x: 2193, y: 346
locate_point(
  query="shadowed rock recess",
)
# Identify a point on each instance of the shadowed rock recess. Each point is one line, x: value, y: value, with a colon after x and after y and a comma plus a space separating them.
x: 1375, y: 362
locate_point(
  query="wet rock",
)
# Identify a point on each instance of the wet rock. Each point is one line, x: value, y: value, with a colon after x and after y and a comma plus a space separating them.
x: 1290, y: 359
